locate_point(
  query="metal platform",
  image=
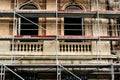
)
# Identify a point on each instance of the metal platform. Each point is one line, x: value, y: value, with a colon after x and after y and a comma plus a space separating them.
x: 94, y: 65
x: 68, y: 13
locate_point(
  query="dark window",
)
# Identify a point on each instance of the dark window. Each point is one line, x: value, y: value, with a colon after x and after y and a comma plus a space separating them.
x: 28, y: 28
x: 28, y: 25
x: 73, y: 26
x: 118, y: 27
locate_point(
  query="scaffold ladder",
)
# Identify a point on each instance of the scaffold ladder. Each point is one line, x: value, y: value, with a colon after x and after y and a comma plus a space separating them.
x: 2, y: 73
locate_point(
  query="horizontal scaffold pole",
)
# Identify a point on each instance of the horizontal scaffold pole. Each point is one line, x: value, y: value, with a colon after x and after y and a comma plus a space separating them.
x: 53, y: 37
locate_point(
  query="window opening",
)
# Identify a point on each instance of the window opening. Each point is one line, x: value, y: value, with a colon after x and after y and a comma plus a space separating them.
x: 118, y: 27
x: 25, y: 27
x: 73, y: 26
x: 28, y: 28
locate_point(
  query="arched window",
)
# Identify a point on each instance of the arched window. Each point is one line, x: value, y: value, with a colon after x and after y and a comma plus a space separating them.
x: 28, y: 6
x: 26, y: 26
x: 73, y: 26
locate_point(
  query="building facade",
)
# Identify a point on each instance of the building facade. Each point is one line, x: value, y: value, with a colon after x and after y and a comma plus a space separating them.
x: 66, y: 39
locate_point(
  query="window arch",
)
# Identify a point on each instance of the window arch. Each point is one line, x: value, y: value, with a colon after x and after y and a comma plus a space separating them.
x: 28, y: 6
x: 73, y: 6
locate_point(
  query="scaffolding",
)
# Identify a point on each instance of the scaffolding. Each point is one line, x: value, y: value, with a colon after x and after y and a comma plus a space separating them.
x: 60, y: 70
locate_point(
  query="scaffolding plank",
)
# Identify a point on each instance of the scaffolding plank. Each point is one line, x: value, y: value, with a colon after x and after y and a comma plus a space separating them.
x: 61, y: 57
x: 64, y: 13
x: 64, y: 65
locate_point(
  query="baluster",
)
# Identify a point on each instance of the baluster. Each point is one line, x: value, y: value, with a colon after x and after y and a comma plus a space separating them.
x: 36, y: 47
x: 72, y: 48
x: 40, y: 47
x: 81, y: 48
x: 29, y: 47
x: 65, y: 49
x: 23, y: 47
x: 14, y: 47
x: 33, y: 47
x: 88, y: 48
x: 62, y: 47
x: 26, y: 47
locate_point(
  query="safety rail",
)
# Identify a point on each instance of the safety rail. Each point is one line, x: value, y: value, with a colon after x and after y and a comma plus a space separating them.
x: 27, y: 46
x: 75, y: 47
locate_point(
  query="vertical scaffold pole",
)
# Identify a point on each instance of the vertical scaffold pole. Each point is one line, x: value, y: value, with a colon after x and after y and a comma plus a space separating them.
x: 57, y: 63
x: 98, y: 26
x: 112, y: 71
x: 1, y: 73
x: 14, y: 25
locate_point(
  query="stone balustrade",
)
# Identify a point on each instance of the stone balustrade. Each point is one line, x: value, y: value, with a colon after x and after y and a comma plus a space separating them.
x: 75, y: 47
x: 27, y: 46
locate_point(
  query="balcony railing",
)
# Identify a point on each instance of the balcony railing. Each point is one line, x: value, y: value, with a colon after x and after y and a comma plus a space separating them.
x: 27, y: 46
x: 75, y: 47
x: 84, y: 47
